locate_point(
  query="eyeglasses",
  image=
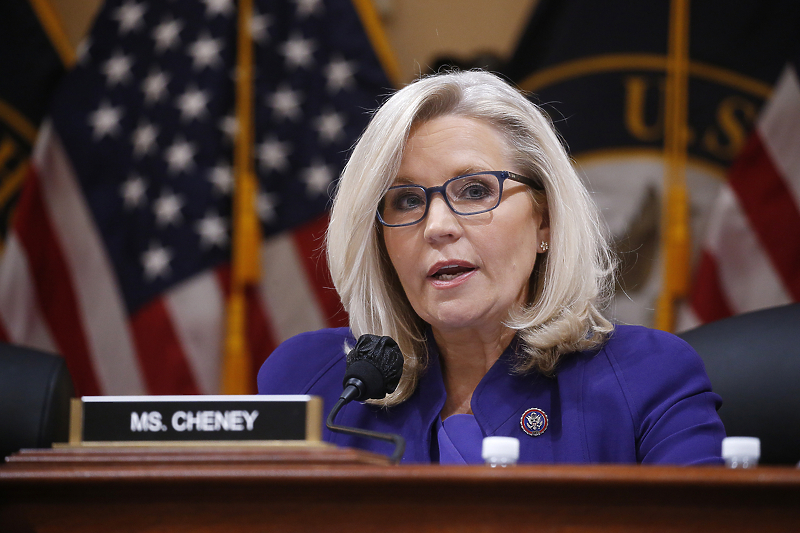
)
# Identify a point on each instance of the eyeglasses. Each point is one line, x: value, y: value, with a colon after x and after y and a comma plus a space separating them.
x: 470, y: 194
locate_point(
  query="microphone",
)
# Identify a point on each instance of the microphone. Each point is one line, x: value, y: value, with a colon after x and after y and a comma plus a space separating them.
x: 373, y: 370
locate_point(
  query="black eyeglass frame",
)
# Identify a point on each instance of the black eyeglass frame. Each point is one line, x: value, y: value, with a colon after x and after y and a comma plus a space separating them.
x: 501, y: 175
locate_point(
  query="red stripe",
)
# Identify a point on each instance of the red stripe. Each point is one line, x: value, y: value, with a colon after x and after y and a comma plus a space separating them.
x: 160, y: 352
x: 53, y: 285
x: 771, y: 210
x: 310, y: 241
x: 3, y: 333
x: 708, y: 298
x: 260, y: 338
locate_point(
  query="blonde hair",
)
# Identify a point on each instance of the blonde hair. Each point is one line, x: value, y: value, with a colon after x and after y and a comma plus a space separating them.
x: 571, y: 284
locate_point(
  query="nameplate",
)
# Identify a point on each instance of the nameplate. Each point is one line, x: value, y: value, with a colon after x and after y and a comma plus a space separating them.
x: 168, y: 420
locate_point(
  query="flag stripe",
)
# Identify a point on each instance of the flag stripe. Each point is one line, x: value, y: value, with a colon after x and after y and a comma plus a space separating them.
x: 310, y: 239
x: 20, y: 315
x: 56, y: 295
x: 709, y: 302
x: 160, y: 352
x: 284, y: 290
x: 779, y: 127
x: 746, y: 275
x: 260, y: 340
x: 97, y: 295
x: 196, y: 307
x: 770, y: 208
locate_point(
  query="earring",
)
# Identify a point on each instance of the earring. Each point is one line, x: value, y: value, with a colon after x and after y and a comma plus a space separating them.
x: 544, y: 246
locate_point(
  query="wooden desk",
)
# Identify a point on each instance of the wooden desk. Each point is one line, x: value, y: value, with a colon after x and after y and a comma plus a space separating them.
x: 325, y: 489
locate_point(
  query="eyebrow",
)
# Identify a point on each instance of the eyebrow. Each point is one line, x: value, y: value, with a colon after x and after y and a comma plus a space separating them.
x: 462, y: 172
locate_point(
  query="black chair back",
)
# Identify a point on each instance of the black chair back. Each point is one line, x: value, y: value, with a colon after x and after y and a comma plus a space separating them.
x: 35, y: 393
x: 753, y: 361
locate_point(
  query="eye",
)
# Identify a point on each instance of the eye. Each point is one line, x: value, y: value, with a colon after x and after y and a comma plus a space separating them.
x: 472, y: 190
x: 406, y: 199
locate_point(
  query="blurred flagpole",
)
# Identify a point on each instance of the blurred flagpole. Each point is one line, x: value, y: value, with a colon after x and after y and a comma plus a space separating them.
x: 236, y: 369
x: 675, y: 229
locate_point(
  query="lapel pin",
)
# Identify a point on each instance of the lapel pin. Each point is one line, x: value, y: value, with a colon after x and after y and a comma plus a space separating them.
x: 534, y: 421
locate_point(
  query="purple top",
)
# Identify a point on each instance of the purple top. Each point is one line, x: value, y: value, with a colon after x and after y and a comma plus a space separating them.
x: 460, y: 440
x: 643, y: 397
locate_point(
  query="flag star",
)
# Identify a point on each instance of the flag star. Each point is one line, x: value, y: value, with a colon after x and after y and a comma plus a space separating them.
x: 339, y: 74
x: 266, y: 204
x: 105, y: 121
x: 129, y: 15
x: 180, y: 156
x: 221, y: 176
x: 229, y: 126
x: 166, y: 35
x: 308, y: 7
x: 167, y: 209
x: 317, y: 178
x: 213, y: 230
x: 193, y: 104
x: 205, y: 52
x: 156, y: 261
x: 155, y: 86
x: 273, y: 154
x: 259, y: 26
x: 144, y: 138
x: 285, y: 103
x: 298, y: 51
x: 133, y: 191
x: 117, y: 69
x: 330, y: 126
x: 218, y: 7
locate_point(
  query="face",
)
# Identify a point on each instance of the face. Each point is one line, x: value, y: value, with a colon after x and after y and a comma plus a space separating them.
x: 464, y: 272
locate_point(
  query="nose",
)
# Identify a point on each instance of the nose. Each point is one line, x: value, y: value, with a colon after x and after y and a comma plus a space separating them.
x: 441, y: 224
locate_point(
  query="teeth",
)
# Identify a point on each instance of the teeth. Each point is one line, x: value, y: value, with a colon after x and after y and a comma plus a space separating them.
x: 447, y: 277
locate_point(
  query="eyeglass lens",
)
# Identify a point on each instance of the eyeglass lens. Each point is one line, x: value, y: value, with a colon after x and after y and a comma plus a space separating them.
x: 466, y: 195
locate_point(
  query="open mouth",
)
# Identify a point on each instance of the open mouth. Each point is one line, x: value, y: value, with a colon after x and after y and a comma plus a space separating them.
x: 449, y: 272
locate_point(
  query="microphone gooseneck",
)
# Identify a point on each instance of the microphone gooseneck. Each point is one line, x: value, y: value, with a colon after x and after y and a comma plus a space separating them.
x: 374, y: 368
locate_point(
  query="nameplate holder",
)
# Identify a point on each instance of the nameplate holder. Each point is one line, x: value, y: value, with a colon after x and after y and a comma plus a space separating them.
x: 195, y: 420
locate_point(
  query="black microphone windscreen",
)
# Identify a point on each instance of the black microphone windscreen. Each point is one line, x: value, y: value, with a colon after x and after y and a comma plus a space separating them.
x: 378, y: 363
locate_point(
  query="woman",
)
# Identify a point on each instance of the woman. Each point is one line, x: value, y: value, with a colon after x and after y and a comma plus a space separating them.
x: 461, y: 230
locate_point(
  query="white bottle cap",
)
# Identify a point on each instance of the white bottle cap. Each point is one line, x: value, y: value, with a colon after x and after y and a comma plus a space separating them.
x: 500, y: 449
x: 741, y: 447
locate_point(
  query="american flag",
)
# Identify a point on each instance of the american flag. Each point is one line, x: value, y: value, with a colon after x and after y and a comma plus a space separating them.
x: 750, y: 257
x: 119, y: 257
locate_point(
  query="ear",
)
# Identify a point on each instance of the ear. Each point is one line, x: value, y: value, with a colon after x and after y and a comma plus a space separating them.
x: 544, y: 227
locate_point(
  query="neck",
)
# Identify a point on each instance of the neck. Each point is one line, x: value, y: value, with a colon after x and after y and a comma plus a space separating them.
x: 465, y: 359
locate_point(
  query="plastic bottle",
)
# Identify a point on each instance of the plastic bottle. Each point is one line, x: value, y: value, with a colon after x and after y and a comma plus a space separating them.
x: 500, y: 451
x: 741, y: 452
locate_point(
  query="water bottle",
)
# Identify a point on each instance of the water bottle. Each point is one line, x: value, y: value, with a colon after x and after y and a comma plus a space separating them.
x: 500, y: 451
x: 741, y: 452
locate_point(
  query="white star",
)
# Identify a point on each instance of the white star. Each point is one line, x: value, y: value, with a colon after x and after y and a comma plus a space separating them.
x: 308, y: 7
x: 221, y: 176
x: 129, y: 15
x: 193, y: 104
x: 213, y: 230
x: 273, y: 154
x: 229, y: 126
x: 167, y: 208
x: 218, y: 7
x: 105, y: 121
x: 298, y: 51
x: 259, y: 25
x: 339, y: 74
x: 317, y: 178
x: 155, y: 86
x: 206, y: 52
x: 118, y: 69
x: 156, y: 261
x: 285, y: 103
x: 180, y: 156
x: 144, y: 138
x: 133, y: 191
x: 265, y: 207
x: 166, y: 35
x: 83, y: 50
x: 330, y: 126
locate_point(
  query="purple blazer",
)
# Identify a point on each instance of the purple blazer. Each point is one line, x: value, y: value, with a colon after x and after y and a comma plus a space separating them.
x: 644, y: 397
